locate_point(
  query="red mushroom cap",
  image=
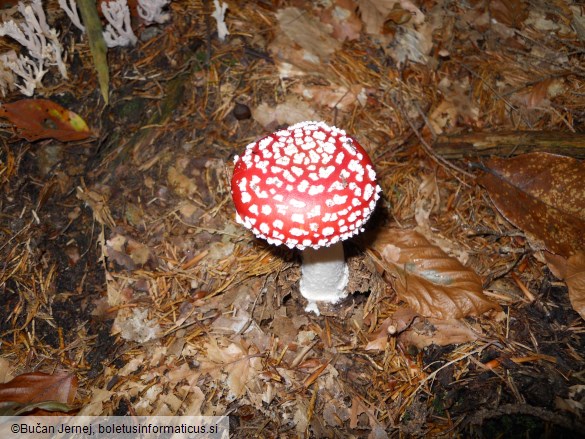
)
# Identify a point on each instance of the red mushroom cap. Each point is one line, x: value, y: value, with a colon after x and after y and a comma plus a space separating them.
x: 309, y: 185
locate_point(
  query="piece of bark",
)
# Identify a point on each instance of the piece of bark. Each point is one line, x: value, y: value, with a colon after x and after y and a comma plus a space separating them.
x: 510, y: 143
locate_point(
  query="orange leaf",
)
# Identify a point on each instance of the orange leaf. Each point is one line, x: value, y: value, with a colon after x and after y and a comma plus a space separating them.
x: 430, y: 281
x: 41, y: 119
x: 542, y: 194
x: 572, y: 271
x: 38, y: 387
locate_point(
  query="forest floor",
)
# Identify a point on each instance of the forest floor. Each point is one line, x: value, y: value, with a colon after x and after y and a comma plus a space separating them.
x: 123, y: 270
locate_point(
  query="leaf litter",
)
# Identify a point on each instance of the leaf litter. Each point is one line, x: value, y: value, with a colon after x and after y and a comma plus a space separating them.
x: 544, y: 195
x: 168, y: 307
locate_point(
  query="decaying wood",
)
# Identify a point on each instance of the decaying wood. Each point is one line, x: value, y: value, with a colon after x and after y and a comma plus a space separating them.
x: 525, y: 409
x: 174, y: 95
x: 510, y: 143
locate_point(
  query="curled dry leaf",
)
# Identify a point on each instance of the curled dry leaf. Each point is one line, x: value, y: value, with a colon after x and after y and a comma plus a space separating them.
x: 544, y: 195
x: 572, y: 271
x: 431, y: 282
x: 413, y: 329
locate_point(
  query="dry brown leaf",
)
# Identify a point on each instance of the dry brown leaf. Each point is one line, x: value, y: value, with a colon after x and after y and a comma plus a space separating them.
x: 236, y: 361
x: 303, y: 44
x: 375, y: 12
x: 412, y: 45
x: 291, y: 111
x: 127, y: 252
x: 333, y: 96
x: 544, y: 195
x: 575, y: 279
x: 357, y: 408
x: 572, y: 271
x: 37, y: 387
x: 413, y: 38
x: 98, y: 202
x: 456, y: 105
x: 5, y: 370
x: 425, y: 332
x: 395, y: 324
x: 341, y: 16
x: 335, y: 413
x: 95, y: 406
x: 509, y: 12
x: 538, y: 95
x: 413, y: 329
x: 427, y: 201
x: 430, y: 281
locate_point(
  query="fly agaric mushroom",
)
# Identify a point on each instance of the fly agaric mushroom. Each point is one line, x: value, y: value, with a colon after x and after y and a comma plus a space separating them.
x: 308, y: 187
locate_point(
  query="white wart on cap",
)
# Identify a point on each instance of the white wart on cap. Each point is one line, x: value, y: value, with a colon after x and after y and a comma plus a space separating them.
x: 310, y: 185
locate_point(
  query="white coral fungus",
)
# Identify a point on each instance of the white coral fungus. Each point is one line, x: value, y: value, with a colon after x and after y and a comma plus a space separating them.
x: 151, y: 11
x: 118, y: 30
x: 41, y: 42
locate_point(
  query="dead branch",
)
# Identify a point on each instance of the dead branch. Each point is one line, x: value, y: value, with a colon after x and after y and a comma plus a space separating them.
x: 510, y: 143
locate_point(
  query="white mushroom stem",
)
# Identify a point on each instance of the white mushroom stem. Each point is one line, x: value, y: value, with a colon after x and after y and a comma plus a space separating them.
x: 324, y: 275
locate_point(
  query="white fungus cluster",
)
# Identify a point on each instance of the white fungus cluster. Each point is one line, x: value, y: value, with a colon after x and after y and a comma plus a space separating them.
x: 308, y: 185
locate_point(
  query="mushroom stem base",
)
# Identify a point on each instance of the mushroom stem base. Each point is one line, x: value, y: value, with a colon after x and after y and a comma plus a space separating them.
x: 324, y: 275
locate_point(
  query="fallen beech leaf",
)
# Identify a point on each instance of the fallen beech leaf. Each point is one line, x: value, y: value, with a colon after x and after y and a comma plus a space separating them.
x: 236, y: 361
x: 39, y: 387
x: 334, y: 96
x: 538, y: 95
x: 544, y: 195
x: 393, y: 325
x: 430, y: 281
x: 572, y: 271
x: 303, y: 44
x: 425, y: 332
x: 307, y: 31
x: 42, y: 119
x: 413, y: 329
x: 291, y: 111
